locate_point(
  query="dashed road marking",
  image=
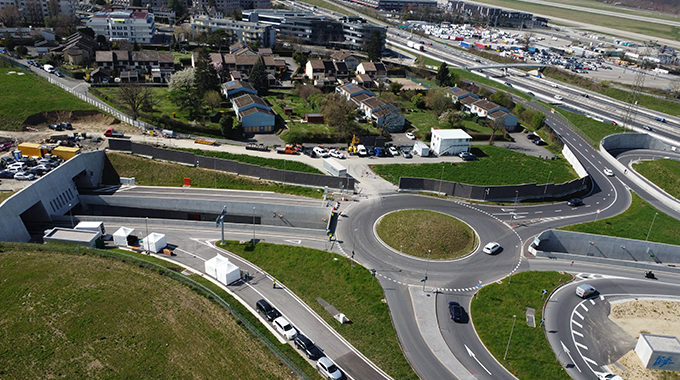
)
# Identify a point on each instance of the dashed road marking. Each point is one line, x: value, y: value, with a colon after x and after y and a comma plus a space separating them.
x: 583, y: 346
x: 577, y: 333
x: 584, y: 306
x: 579, y: 314
x: 576, y: 323
x: 591, y: 301
x: 588, y: 359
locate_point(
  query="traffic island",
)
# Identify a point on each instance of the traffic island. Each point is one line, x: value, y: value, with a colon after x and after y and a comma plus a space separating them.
x: 426, y: 234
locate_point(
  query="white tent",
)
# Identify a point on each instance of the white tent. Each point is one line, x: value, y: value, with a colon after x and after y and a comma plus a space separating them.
x: 154, y: 242
x: 120, y: 236
x: 224, y: 271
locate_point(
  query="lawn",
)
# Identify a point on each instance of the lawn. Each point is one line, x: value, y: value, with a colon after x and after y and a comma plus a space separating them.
x: 68, y: 313
x: 529, y: 354
x: 24, y: 95
x: 590, y: 129
x: 256, y: 160
x: 664, y: 172
x: 4, y: 195
x: 427, y: 234
x: 156, y: 173
x: 350, y: 288
x: 634, y: 223
x: 496, y: 166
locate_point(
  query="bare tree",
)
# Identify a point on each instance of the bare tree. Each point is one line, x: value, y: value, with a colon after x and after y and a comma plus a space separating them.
x: 10, y: 16
x: 135, y: 96
x: 495, y: 125
x: 212, y: 99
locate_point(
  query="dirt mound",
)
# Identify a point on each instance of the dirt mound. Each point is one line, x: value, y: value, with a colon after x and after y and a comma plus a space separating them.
x: 58, y: 116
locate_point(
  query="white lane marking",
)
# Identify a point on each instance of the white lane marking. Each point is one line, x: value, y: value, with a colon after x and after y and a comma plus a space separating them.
x: 583, y: 346
x: 472, y: 354
x: 577, y: 313
x: 578, y: 333
x: 601, y: 297
x: 190, y: 254
x: 558, y: 210
x: 576, y: 323
x: 584, y: 306
x: 591, y: 301
x: 589, y: 359
x: 538, y: 212
x: 564, y: 347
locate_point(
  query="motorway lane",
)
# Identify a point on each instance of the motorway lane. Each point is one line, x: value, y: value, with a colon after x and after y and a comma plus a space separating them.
x: 585, y: 326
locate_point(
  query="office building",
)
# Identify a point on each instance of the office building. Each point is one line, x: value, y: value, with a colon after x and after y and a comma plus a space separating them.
x: 135, y: 26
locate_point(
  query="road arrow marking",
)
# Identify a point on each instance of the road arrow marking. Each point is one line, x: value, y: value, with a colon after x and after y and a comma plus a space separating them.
x: 293, y: 241
x: 472, y: 355
x: 564, y: 347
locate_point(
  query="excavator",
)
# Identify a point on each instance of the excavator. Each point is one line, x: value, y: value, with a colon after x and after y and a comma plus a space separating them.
x: 353, y: 147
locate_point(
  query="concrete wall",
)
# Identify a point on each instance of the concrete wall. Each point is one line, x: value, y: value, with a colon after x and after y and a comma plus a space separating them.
x: 50, y: 195
x: 575, y: 163
x: 599, y: 248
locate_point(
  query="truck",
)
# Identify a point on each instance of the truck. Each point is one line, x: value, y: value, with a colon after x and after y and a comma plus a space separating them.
x: 31, y: 149
x: 288, y: 149
x: 258, y: 147
x: 114, y: 133
x: 415, y: 45
x: 205, y: 141
x: 168, y: 133
x: 465, y: 44
x: 334, y: 168
x: 91, y: 226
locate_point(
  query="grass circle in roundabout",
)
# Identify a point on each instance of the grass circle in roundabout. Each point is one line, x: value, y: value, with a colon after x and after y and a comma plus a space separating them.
x: 414, y: 232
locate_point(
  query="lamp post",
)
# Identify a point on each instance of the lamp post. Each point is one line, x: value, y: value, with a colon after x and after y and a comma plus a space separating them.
x: 427, y: 264
x: 70, y: 213
x: 650, y: 226
x: 516, y: 196
x: 253, y: 224
x: 441, y: 177
x: 514, y: 319
x: 546, y: 184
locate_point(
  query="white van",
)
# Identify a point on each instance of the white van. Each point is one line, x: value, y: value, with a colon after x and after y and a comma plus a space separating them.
x: 48, y: 68
x: 585, y: 291
x: 361, y: 151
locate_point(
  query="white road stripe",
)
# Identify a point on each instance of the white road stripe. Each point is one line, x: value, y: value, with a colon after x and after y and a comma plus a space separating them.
x: 576, y: 323
x: 578, y: 333
x: 583, y: 346
x: 591, y: 301
x: 601, y: 298
x: 588, y: 359
x: 579, y: 314
x: 584, y: 306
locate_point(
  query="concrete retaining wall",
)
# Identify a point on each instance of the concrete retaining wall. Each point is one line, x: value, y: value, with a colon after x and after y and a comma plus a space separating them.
x: 50, y: 195
x: 575, y: 163
x: 599, y: 248
x: 287, y: 176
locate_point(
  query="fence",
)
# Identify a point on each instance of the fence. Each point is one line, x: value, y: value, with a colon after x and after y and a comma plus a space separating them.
x: 510, y: 193
x: 309, y: 179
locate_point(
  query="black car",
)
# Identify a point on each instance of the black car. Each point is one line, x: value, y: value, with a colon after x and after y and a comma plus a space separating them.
x: 66, y: 125
x: 575, y: 202
x: 6, y: 174
x: 540, y: 142
x: 36, y: 171
x: 456, y: 311
x: 308, y: 347
x: 55, y: 127
x: 467, y: 156
x: 263, y: 307
x: 532, y: 136
x: 647, y: 127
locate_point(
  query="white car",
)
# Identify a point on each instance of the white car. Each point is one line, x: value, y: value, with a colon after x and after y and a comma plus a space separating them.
x: 393, y: 151
x: 321, y: 152
x: 410, y: 136
x: 21, y: 176
x: 16, y: 167
x: 558, y: 97
x: 328, y: 369
x: 585, y: 291
x: 608, y: 172
x: 491, y: 248
x: 336, y: 154
x: 608, y: 376
x: 284, y: 328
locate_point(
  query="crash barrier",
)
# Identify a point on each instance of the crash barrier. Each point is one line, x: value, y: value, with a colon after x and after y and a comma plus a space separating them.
x: 231, y: 166
x: 508, y: 193
x: 581, y: 246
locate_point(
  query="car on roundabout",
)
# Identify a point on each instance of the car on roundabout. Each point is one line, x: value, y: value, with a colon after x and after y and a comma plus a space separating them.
x: 491, y: 248
x: 456, y: 311
x: 585, y: 291
x: 575, y: 202
x: 608, y: 172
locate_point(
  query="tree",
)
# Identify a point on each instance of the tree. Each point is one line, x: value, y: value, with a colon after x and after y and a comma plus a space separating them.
x: 395, y: 87
x: 375, y: 46
x: 205, y: 75
x: 300, y: 57
x: 21, y: 50
x: 443, y: 75
x: 9, y: 42
x: 10, y: 16
x: 305, y: 90
x: 495, y: 126
x: 453, y: 118
x: 337, y: 112
x: 183, y: 91
x: 418, y: 101
x: 537, y: 120
x: 212, y: 99
x: 484, y: 92
x: 134, y: 96
x: 87, y: 31
x: 177, y: 6
x: 219, y: 39
x: 502, y: 98
x: 53, y: 7
x: 258, y: 78
x: 226, y: 125
x: 437, y: 101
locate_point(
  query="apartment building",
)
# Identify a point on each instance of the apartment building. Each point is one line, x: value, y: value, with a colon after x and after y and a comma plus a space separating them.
x: 136, y: 26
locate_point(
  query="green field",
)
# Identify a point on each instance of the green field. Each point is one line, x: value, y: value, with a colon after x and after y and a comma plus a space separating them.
x: 529, y: 355
x: 664, y: 172
x: 311, y: 273
x: 591, y: 130
x: 156, y: 173
x: 427, y: 234
x: 24, y: 95
x: 647, y: 28
x: 68, y: 313
x: 259, y: 161
x: 634, y: 223
x: 496, y: 166
x: 4, y: 195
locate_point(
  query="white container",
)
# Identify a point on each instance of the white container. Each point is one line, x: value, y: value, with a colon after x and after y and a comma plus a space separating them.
x: 222, y: 270
x: 155, y: 242
x: 121, y: 235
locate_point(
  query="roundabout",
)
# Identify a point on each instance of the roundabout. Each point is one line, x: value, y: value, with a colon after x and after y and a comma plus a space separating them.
x: 426, y: 234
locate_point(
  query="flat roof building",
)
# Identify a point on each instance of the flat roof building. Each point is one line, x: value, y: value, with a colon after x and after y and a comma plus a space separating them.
x: 449, y: 141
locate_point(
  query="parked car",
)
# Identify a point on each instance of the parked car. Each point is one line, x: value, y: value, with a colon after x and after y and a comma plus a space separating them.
x: 16, y: 167
x: 66, y: 125
x: 585, y: 291
x: 467, y: 156
x: 36, y: 171
x: 491, y: 248
x: 608, y: 376
x: 58, y: 74
x: 263, y: 307
x: 308, y: 347
x: 410, y: 136
x: 328, y: 369
x: 575, y: 202
x: 532, y: 136
x: 336, y: 154
x: 608, y: 172
x: 362, y: 151
x: 23, y: 176
x: 55, y: 127
x: 320, y: 151
x: 6, y: 174
x: 456, y: 311
x: 406, y: 153
x: 284, y: 328
x: 540, y: 142
x: 393, y: 151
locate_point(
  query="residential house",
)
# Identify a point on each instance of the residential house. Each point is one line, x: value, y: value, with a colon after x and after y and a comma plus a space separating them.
x: 507, y: 120
x: 243, y: 63
x: 457, y: 94
x: 467, y: 102
x: 351, y: 91
x: 384, y: 114
x: 158, y: 65
x: 78, y: 49
x: 484, y: 107
x: 375, y: 70
x: 449, y: 141
x: 363, y: 80
x: 254, y: 114
x: 347, y: 57
x: 323, y: 72
x: 235, y: 88
x: 124, y: 25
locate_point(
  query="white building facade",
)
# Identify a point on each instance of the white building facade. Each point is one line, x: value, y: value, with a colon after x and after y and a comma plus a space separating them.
x: 449, y: 141
x: 133, y: 26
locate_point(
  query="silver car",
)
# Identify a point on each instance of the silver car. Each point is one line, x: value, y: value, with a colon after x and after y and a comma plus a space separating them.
x: 328, y: 369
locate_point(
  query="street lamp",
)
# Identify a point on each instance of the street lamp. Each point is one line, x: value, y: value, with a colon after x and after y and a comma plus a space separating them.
x: 253, y: 224
x: 427, y: 264
x: 546, y: 184
x: 516, y: 196
x: 70, y: 213
x: 514, y: 319
x: 650, y: 226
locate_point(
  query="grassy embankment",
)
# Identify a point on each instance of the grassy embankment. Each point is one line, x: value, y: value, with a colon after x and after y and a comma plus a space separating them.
x: 273, y: 163
x: 69, y: 312
x: 5, y: 194
x: 28, y: 94
x: 664, y: 172
x: 591, y: 130
x: 634, y: 223
x: 496, y: 166
x: 415, y: 232
x: 155, y: 173
x: 311, y: 273
x: 492, y: 309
